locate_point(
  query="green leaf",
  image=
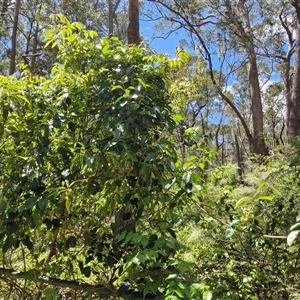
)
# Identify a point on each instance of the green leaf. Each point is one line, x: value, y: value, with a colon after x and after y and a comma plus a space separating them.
x: 56, y: 223
x: 178, y: 117
x: 171, y: 244
x: 56, y: 121
x: 179, y: 293
x: 93, y: 188
x: 172, y: 276
x: 5, y: 111
x: 2, y: 207
x: 201, y: 165
x: 242, y: 201
x: 170, y: 165
x: 295, y: 226
x: 72, y: 126
x: 28, y: 243
x: 42, y: 204
x: 144, y: 241
x: 141, y: 258
x: 86, y: 271
x: 160, y: 242
x: 48, y: 223
x: 117, y: 87
x: 198, y: 288
x: 171, y: 297
x: 247, y: 279
x: 70, y: 242
x: 229, y: 232
x: 12, y: 227
x: 195, y: 178
x: 9, y: 242
x: 146, y: 290
x: 186, y: 177
x: 292, y: 236
x: 207, y: 295
x: 169, y: 182
x: 172, y: 232
x: 127, y: 266
x: 121, y: 236
x: 105, y: 50
x: 267, y: 198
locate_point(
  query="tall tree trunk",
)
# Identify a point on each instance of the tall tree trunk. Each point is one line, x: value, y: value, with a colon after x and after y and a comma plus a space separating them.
x: 257, y: 145
x: 239, y: 156
x: 286, y: 73
x: 293, y: 105
x: 287, y: 94
x: 110, y: 17
x: 12, y: 67
x: 112, y: 8
x: 133, y: 32
x: 34, y: 49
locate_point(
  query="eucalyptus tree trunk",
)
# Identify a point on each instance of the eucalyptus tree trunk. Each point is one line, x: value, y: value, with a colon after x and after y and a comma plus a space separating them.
x: 112, y: 8
x: 293, y: 102
x: 257, y: 143
x: 12, y: 67
x: 286, y: 76
x: 34, y: 49
x: 239, y: 155
x: 133, y: 32
x: 110, y: 17
x: 243, y: 30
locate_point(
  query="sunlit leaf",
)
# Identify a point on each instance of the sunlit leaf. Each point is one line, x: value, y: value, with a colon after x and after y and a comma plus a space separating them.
x: 207, y: 295
x: 242, y: 201
x: 267, y: 198
x: 292, y: 236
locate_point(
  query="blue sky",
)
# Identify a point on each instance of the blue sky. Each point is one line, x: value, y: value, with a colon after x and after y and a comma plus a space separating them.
x: 160, y: 44
x: 168, y: 46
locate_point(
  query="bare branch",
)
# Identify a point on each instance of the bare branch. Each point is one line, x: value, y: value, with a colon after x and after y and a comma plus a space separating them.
x: 78, y: 286
x: 287, y: 30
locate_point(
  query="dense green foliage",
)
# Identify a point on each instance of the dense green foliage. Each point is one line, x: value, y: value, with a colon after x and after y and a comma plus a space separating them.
x: 87, y: 165
x: 116, y: 185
